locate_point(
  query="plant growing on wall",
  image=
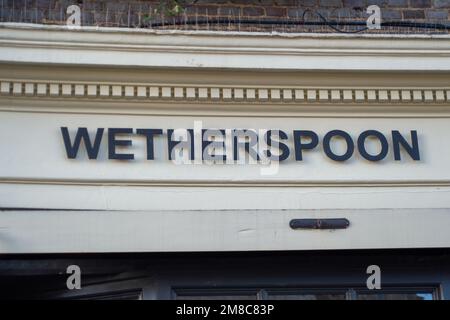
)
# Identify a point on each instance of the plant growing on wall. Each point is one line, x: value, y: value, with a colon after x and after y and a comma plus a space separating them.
x: 166, y: 9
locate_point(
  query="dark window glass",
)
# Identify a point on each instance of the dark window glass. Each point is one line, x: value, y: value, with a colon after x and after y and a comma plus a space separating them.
x: 303, y: 294
x: 217, y: 297
x: 127, y: 295
x: 395, y: 296
x: 306, y: 294
x: 215, y: 294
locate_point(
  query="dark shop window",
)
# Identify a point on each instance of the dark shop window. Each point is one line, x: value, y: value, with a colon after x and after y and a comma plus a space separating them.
x: 398, y: 294
x: 121, y: 295
x: 216, y: 294
x: 307, y: 294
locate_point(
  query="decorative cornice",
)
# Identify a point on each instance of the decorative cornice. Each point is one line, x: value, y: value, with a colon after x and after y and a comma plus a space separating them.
x: 261, y: 183
x: 87, y: 46
x: 223, y: 94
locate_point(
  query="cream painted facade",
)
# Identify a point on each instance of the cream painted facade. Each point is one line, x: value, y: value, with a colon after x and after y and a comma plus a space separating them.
x: 52, y: 77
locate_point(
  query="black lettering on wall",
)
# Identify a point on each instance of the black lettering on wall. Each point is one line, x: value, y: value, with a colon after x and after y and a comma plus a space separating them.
x: 299, y: 146
x: 362, y: 148
x: 250, y: 145
x: 82, y: 135
x: 149, y: 134
x: 327, y: 147
x: 173, y: 143
x: 284, y: 154
x: 113, y: 143
x: 216, y: 144
x: 412, y: 149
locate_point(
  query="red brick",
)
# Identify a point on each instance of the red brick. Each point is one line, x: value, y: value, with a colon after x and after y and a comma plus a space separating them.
x: 419, y: 3
x: 253, y: 11
x: 201, y: 10
x: 276, y: 11
x: 413, y: 14
x: 229, y: 10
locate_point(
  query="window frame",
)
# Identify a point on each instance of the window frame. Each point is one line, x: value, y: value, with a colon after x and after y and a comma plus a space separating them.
x: 263, y: 293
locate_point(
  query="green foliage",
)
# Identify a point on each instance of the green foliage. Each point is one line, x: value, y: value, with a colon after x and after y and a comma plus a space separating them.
x: 170, y: 8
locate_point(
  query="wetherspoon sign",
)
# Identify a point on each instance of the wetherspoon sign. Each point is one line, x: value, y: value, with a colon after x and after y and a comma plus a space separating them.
x: 225, y: 145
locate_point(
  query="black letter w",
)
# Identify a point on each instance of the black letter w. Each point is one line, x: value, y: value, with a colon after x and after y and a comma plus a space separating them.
x: 82, y: 134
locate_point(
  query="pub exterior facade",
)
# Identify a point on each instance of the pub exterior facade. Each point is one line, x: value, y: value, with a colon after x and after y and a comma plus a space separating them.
x: 138, y: 156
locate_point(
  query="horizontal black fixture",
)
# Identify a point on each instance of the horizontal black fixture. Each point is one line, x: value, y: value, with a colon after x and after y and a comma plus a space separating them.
x: 335, y: 223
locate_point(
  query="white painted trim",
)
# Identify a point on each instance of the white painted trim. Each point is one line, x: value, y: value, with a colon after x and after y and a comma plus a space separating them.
x: 266, y: 51
x: 193, y: 108
x: 243, y: 230
x: 221, y: 197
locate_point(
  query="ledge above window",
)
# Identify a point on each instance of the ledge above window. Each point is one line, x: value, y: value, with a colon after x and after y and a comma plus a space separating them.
x: 42, y: 44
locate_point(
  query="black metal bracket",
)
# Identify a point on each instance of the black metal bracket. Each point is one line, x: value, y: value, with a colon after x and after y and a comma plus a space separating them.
x: 322, y: 224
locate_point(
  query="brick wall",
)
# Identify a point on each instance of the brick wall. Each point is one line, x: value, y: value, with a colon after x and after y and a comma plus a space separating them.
x: 251, y: 15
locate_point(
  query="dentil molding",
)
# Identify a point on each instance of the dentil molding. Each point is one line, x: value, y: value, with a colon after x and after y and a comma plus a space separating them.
x: 15, y: 88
